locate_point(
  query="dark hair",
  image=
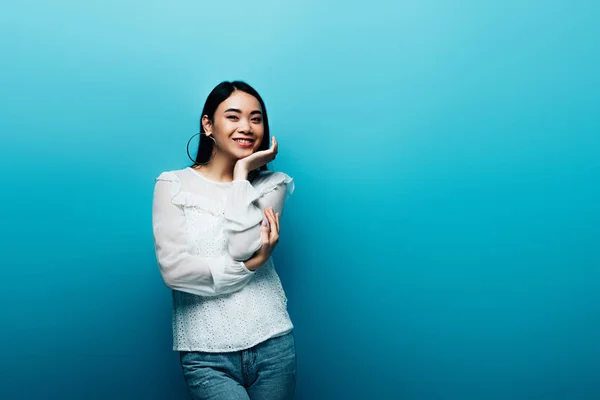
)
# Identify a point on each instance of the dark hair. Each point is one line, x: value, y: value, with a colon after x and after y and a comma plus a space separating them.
x: 219, y: 94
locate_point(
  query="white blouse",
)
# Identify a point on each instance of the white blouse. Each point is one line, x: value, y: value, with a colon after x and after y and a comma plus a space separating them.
x: 203, y: 232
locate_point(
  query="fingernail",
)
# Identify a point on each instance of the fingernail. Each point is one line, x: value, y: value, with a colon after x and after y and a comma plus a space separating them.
x: 264, y: 223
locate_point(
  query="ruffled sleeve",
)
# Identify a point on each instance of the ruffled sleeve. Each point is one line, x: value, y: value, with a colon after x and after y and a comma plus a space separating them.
x: 180, y: 268
x: 244, y: 207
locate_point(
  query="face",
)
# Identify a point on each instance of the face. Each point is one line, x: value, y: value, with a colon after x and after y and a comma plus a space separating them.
x: 237, y: 126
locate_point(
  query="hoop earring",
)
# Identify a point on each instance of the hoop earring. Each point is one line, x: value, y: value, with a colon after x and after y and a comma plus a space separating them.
x: 187, y: 147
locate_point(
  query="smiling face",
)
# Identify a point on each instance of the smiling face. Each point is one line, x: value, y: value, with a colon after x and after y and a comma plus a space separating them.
x: 237, y: 126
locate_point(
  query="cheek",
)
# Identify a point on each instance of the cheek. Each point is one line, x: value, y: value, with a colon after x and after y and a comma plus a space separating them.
x: 227, y: 126
x: 259, y: 141
x: 260, y: 134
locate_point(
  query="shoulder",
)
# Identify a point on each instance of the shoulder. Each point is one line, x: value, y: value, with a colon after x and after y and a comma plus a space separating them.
x: 175, y: 175
x: 171, y: 181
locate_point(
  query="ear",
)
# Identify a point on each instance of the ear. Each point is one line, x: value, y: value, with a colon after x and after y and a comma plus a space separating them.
x: 207, y: 125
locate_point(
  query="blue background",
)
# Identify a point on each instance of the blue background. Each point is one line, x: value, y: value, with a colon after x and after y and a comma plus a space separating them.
x: 443, y: 241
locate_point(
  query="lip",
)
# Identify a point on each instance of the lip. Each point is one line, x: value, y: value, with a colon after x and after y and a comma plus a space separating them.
x: 244, y: 145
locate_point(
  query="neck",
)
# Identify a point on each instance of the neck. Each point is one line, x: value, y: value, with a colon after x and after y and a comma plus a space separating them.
x: 219, y: 169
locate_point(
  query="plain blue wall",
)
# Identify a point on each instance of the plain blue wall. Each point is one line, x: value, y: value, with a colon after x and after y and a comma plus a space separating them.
x: 444, y: 239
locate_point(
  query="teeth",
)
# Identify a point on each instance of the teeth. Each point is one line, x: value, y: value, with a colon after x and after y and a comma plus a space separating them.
x: 243, y: 140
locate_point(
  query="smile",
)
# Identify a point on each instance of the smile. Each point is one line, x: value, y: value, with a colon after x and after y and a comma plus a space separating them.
x: 244, y: 142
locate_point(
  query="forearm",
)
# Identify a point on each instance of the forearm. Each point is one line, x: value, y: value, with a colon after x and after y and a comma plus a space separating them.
x: 180, y: 267
x: 242, y: 220
x: 244, y: 210
x: 204, y: 276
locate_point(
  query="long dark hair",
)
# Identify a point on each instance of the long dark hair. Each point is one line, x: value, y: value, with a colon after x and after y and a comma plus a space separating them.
x: 219, y: 94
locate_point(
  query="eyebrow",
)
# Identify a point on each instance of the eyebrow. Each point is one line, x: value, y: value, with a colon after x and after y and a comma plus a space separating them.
x: 238, y: 111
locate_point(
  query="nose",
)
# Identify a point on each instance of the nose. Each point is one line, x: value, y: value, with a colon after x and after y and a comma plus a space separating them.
x: 244, y: 126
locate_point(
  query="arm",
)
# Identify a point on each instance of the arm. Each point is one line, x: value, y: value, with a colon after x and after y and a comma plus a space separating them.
x: 180, y: 268
x: 244, y: 211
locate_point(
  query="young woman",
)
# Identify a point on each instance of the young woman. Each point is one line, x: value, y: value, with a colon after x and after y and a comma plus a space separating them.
x: 216, y: 224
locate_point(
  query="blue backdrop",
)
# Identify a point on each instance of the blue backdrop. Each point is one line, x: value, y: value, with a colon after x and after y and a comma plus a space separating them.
x: 443, y: 241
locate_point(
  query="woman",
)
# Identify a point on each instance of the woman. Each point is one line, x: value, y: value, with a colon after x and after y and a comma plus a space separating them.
x: 215, y: 225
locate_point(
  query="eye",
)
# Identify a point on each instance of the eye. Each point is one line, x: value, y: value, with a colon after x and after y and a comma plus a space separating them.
x: 258, y: 120
x: 231, y: 117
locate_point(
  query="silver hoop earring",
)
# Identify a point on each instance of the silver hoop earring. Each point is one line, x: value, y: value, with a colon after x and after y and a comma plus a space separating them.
x: 187, y: 147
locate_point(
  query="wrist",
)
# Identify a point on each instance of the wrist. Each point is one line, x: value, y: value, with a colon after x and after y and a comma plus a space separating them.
x: 240, y: 172
x: 255, y: 262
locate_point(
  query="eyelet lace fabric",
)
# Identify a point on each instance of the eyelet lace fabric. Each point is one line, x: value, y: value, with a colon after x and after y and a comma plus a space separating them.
x: 239, y: 319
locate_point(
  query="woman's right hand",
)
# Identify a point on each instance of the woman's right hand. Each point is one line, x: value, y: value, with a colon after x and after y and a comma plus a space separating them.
x: 270, y: 239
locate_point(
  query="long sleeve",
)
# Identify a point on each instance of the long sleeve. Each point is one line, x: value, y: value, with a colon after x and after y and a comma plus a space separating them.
x: 244, y: 210
x: 180, y: 268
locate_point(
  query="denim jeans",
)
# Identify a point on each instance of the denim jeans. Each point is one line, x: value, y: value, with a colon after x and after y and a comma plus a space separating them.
x: 266, y: 371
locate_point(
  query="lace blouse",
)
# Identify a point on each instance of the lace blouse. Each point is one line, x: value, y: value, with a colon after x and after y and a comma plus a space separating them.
x: 203, y: 232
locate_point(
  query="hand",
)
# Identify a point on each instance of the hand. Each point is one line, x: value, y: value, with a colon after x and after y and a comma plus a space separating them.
x: 254, y: 161
x: 270, y: 239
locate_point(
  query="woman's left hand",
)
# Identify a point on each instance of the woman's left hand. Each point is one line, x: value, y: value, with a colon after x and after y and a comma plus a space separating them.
x: 254, y: 161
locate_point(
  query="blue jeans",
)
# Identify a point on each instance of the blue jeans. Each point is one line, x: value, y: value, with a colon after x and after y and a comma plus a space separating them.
x: 266, y: 371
